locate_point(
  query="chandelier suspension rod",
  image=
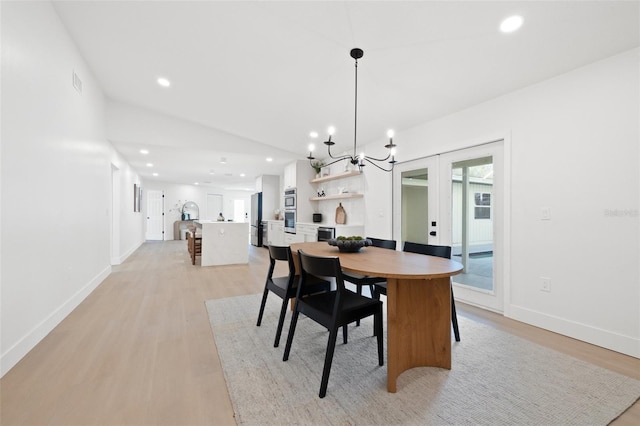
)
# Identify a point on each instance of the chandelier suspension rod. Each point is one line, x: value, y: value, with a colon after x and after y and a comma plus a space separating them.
x: 355, y: 120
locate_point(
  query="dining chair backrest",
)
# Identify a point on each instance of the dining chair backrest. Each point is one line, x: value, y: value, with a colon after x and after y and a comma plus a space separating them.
x: 282, y: 253
x: 388, y: 244
x: 320, y: 266
x: 428, y: 249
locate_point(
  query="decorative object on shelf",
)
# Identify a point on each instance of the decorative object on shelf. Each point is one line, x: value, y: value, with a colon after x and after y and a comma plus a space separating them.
x: 341, y: 215
x: 351, y: 244
x: 190, y: 211
x: 317, y: 166
x: 321, y: 193
x: 276, y: 214
x: 358, y: 159
x: 177, y: 207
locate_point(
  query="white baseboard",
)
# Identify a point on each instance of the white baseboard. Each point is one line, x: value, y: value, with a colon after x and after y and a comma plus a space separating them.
x: 125, y: 255
x: 627, y: 345
x: 14, y: 354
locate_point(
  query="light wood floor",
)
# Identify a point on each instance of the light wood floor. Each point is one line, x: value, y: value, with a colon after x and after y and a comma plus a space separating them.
x: 139, y: 349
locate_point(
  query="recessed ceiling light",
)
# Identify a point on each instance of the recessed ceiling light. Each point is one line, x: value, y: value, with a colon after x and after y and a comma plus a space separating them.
x: 223, y: 160
x: 269, y: 159
x: 149, y: 164
x: 211, y: 173
x: 144, y: 151
x: 163, y: 82
x: 155, y: 174
x: 196, y: 183
x: 313, y: 134
x: 511, y: 24
x: 242, y: 175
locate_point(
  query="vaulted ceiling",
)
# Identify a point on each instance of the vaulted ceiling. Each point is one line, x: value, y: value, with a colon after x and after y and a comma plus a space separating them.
x: 253, y: 78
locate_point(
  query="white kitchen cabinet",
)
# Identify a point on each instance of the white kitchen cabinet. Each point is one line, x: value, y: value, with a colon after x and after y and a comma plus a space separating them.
x: 293, y: 238
x: 275, y: 233
x: 308, y: 233
x: 290, y: 176
x: 297, y: 174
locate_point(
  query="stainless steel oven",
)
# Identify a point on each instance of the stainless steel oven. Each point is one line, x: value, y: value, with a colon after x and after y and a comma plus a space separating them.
x: 290, y: 221
x: 290, y: 199
x: 325, y: 233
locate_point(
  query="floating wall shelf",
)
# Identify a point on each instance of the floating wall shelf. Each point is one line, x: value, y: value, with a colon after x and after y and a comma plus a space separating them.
x: 336, y: 176
x: 336, y: 197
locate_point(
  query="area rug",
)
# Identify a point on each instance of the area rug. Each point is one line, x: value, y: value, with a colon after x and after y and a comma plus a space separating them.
x: 496, y: 378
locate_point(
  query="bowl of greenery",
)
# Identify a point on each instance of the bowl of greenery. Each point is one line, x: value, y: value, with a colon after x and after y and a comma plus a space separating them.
x: 351, y: 244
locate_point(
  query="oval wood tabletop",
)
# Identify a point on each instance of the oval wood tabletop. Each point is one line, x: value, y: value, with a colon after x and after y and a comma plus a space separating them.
x: 385, y: 263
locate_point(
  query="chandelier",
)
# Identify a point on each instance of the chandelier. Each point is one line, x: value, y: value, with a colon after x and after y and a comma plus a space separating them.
x: 358, y: 159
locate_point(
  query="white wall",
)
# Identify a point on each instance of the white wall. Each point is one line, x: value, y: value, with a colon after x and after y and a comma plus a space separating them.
x: 56, y: 180
x: 574, y: 148
x: 131, y: 224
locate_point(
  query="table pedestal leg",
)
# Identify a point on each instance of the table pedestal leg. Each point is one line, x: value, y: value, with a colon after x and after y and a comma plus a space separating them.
x: 418, y: 325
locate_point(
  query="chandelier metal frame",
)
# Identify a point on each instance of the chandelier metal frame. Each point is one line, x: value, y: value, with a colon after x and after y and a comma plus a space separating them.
x: 358, y: 159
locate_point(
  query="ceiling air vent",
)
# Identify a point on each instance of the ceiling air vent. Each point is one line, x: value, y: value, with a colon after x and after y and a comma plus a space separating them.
x: 77, y: 83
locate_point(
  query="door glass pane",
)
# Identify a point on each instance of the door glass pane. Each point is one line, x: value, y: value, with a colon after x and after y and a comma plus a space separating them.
x: 472, y: 221
x: 415, y: 192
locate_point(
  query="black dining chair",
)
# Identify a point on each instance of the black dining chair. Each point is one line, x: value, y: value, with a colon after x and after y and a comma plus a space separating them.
x: 431, y: 250
x: 362, y: 280
x: 332, y: 309
x: 285, y: 287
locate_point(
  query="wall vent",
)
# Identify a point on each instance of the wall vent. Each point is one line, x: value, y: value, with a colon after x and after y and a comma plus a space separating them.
x: 77, y: 83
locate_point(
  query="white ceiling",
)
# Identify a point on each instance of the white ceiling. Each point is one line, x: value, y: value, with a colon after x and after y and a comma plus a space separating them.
x: 256, y: 77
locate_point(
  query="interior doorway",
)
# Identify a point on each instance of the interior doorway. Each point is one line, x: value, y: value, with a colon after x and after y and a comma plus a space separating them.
x: 415, y: 192
x: 155, y: 215
x: 214, y: 206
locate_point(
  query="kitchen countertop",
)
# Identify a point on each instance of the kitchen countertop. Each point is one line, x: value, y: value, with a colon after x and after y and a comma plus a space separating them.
x: 328, y: 225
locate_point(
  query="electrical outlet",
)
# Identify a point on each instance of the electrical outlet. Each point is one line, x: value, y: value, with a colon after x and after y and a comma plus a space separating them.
x: 545, y: 213
x: 545, y: 284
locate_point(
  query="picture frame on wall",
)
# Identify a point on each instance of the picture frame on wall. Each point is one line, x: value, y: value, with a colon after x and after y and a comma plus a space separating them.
x: 137, y: 197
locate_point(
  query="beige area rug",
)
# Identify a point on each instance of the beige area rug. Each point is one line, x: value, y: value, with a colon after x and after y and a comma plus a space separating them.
x: 496, y: 378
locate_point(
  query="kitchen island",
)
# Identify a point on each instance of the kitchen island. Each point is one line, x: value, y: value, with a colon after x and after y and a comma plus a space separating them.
x: 224, y: 243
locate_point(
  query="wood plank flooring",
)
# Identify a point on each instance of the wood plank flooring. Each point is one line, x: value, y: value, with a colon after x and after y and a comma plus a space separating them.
x: 139, y: 349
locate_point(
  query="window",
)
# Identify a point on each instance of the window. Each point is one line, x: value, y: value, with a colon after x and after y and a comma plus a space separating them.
x: 482, y: 209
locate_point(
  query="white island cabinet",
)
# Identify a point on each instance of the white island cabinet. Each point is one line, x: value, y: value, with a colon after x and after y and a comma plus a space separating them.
x: 224, y: 243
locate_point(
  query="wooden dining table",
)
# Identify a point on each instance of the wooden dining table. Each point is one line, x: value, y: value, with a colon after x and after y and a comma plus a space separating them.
x: 418, y: 302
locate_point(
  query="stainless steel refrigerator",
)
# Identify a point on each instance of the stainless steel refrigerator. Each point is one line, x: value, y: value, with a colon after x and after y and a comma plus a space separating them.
x: 256, y: 219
